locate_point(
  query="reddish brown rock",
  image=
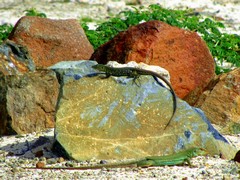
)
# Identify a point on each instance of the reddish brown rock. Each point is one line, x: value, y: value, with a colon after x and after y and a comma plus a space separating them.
x: 221, y: 103
x: 40, y: 164
x: 27, y: 102
x: 50, y: 41
x: 183, y: 53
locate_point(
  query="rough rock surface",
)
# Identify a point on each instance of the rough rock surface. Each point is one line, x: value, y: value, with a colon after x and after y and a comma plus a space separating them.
x: 50, y: 41
x: 183, y: 53
x: 27, y: 102
x: 14, y: 59
x: 221, y: 103
x: 115, y: 119
x: 11, y: 166
x: 19, y: 152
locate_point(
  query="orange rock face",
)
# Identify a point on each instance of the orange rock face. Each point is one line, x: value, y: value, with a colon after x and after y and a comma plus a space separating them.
x: 221, y: 104
x: 183, y: 53
x: 50, y: 41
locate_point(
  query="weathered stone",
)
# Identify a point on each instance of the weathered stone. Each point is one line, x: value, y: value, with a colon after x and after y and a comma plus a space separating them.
x: 115, y: 119
x: 14, y: 59
x: 221, y: 103
x: 27, y: 102
x: 183, y: 53
x: 49, y: 41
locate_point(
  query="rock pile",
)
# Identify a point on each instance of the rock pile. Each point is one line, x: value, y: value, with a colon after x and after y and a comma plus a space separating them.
x: 89, y: 111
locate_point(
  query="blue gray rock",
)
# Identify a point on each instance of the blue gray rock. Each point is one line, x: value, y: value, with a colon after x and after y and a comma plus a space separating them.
x: 114, y: 118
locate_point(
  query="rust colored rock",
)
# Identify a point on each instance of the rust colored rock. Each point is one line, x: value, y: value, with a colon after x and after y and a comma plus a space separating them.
x: 40, y: 164
x: 183, y: 53
x: 50, y: 41
x: 221, y: 103
x: 27, y: 102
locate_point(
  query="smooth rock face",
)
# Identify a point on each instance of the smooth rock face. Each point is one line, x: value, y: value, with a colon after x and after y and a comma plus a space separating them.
x: 183, y: 53
x: 50, y: 41
x: 113, y: 118
x: 221, y: 103
x: 27, y: 102
x: 14, y: 59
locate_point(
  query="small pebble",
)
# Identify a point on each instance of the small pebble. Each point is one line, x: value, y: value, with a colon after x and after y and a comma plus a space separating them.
x: 61, y: 159
x: 52, y: 161
x: 40, y: 164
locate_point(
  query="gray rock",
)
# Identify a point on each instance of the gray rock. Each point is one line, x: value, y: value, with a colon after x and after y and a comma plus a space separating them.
x: 14, y: 59
x: 115, y: 119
